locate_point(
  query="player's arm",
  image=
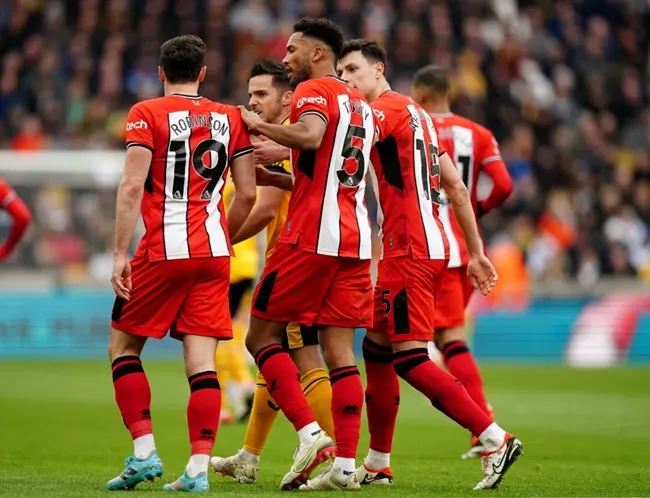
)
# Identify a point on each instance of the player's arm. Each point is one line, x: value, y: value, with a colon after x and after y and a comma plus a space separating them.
x: 306, y: 134
x: 267, y: 178
x: 479, y: 269
x: 461, y: 204
x: 493, y: 166
x: 269, y: 152
x: 243, y: 176
x: 265, y: 209
x: 129, y: 196
x: 21, y: 218
x: 311, y: 112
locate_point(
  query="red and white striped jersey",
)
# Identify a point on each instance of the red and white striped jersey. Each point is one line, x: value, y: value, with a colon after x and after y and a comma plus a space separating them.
x: 472, y: 148
x: 327, y: 212
x: 405, y: 160
x: 193, y: 141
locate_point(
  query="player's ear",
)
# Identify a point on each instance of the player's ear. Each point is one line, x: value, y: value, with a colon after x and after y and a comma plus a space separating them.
x: 202, y: 73
x: 317, y: 53
x: 287, y: 97
x: 161, y: 74
x: 379, y: 70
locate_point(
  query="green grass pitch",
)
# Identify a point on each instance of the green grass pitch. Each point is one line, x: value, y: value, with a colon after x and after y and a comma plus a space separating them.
x: 585, y: 433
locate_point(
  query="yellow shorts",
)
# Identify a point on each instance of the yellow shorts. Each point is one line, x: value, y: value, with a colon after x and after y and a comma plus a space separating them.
x: 298, y: 336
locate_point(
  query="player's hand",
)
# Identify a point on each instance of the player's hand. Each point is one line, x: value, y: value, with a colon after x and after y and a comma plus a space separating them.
x: 121, y: 277
x: 251, y: 119
x: 269, y: 152
x: 482, y: 274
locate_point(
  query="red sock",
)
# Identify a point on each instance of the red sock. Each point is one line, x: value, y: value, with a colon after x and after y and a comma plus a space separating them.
x: 461, y: 364
x: 445, y: 392
x: 133, y: 395
x: 203, y: 411
x: 382, y: 395
x: 347, y: 402
x: 283, y: 382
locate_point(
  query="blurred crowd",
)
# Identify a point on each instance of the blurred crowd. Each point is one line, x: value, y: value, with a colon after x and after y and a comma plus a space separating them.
x: 563, y: 85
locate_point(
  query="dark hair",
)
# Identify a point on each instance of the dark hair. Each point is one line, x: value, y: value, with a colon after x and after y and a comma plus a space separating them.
x: 274, y: 68
x: 433, y: 77
x: 370, y: 49
x: 182, y: 58
x: 322, y: 30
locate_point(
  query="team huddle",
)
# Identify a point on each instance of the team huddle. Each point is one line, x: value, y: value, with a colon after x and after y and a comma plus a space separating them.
x: 330, y: 127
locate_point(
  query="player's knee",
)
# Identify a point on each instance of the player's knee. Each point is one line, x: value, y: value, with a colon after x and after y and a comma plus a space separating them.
x: 307, y: 358
x: 447, y: 336
x: 121, y: 344
x: 199, y: 353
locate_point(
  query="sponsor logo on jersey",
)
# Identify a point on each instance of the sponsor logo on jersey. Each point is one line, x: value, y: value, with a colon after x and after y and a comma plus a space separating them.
x: 138, y: 125
x: 312, y: 100
x: 379, y: 115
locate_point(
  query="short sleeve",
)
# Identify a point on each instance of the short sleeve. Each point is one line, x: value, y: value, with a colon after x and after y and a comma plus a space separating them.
x: 310, y: 98
x: 383, y: 123
x: 489, y: 151
x: 240, y: 137
x: 139, y: 127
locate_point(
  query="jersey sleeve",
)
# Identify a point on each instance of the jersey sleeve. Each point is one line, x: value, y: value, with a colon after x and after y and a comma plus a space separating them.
x: 240, y: 138
x: 384, y: 121
x: 139, y: 127
x: 489, y: 149
x: 310, y: 99
x: 492, y: 165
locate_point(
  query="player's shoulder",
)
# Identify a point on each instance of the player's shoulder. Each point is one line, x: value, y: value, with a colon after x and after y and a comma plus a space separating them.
x: 462, y: 121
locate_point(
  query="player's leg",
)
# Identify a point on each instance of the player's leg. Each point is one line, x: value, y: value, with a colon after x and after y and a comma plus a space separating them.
x: 412, y: 328
x: 203, y: 320
x: 133, y: 322
x: 304, y: 348
x: 243, y: 465
x: 244, y: 384
x: 450, y: 339
x: 346, y: 307
x: 280, y: 297
x: 382, y: 400
x: 301, y: 342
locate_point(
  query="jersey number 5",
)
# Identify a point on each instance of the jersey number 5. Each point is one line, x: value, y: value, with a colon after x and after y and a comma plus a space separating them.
x: 429, y: 177
x: 351, y: 151
x: 220, y: 162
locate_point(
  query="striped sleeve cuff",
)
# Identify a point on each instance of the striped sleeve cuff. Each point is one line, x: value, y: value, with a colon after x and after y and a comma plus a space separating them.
x: 138, y: 144
x: 242, y: 152
x: 314, y: 113
x: 491, y: 159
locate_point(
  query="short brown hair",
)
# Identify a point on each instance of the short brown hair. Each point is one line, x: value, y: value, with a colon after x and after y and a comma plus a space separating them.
x: 276, y: 69
x: 370, y: 49
x: 435, y: 78
x: 182, y: 58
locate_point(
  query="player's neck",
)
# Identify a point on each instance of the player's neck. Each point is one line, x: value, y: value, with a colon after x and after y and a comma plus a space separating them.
x: 322, y: 71
x: 382, y: 87
x: 282, y: 117
x: 437, y: 108
x: 181, y: 88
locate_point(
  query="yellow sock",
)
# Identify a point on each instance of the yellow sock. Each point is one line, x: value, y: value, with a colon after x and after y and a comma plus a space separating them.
x: 222, y: 363
x: 318, y: 391
x: 263, y: 415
